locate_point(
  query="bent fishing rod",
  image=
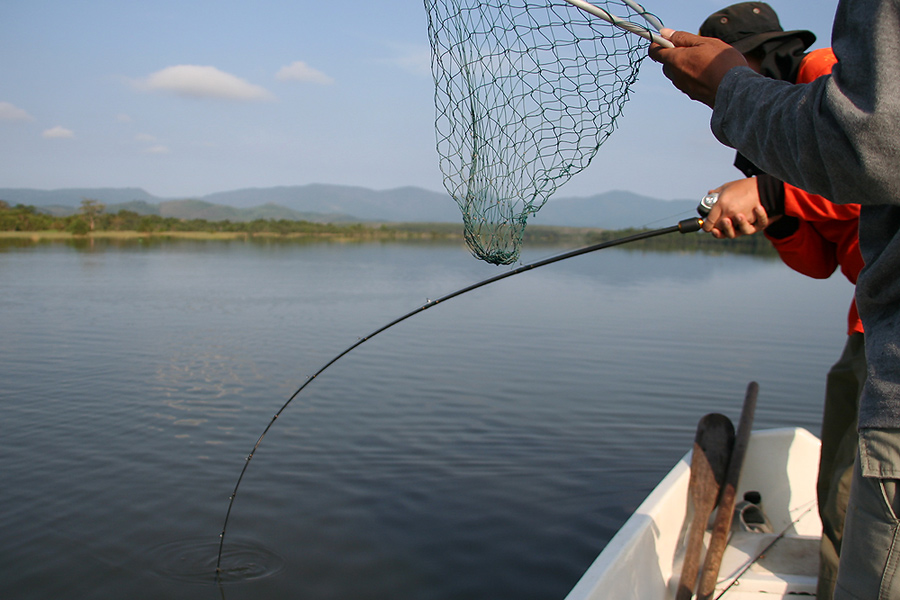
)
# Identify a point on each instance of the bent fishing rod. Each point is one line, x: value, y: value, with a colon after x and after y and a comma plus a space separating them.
x: 685, y: 226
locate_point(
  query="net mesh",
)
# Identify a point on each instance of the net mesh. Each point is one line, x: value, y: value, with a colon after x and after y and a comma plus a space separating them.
x: 525, y: 94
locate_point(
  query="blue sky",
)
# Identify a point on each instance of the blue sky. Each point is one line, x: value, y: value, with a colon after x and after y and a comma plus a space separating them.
x: 185, y: 98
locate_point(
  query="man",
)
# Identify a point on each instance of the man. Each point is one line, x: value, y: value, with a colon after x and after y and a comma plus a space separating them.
x: 812, y: 236
x: 837, y: 136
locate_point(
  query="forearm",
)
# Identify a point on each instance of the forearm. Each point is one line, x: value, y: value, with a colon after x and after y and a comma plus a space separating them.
x: 837, y: 136
x: 771, y: 198
x: 783, y: 141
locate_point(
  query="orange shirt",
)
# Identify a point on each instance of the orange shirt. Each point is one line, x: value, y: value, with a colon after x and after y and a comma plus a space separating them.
x: 828, y: 234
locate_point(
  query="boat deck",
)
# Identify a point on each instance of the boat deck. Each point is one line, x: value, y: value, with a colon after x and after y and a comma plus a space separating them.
x: 770, y: 565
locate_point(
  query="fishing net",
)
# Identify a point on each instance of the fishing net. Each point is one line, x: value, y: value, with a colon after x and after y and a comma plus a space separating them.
x: 525, y: 93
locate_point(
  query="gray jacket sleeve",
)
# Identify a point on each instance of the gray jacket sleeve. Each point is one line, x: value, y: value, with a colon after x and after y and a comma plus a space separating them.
x: 838, y: 136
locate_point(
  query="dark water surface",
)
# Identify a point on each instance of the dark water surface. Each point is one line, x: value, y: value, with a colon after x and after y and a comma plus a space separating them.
x: 486, y: 448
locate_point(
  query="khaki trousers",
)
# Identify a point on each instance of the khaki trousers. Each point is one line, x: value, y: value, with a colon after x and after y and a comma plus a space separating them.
x: 839, y: 448
x: 870, y: 556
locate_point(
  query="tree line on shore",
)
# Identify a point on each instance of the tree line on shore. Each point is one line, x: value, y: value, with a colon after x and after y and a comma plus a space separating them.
x: 92, y: 218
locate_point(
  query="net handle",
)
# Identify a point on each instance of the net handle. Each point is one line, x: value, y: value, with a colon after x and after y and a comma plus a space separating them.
x: 644, y: 32
x: 648, y: 16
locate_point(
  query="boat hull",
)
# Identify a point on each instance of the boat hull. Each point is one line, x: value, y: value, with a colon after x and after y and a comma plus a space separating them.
x: 643, y: 560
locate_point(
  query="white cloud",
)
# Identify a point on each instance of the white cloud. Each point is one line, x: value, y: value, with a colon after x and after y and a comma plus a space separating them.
x: 196, y: 81
x: 300, y: 71
x: 157, y: 150
x: 415, y: 59
x: 58, y: 133
x: 10, y: 112
x: 123, y: 118
x: 145, y: 137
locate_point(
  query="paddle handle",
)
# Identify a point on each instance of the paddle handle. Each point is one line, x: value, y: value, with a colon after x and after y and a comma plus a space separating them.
x: 722, y: 524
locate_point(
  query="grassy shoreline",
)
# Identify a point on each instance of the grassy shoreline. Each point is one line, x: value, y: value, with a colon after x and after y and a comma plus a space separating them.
x: 22, y: 226
x: 393, y: 232
x: 444, y: 233
x: 365, y: 234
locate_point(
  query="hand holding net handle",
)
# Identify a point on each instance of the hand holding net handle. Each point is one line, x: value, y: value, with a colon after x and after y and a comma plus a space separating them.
x: 644, y: 32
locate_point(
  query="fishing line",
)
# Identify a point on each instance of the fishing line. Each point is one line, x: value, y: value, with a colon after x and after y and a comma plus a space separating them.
x: 685, y: 226
x: 655, y: 223
x: 736, y: 580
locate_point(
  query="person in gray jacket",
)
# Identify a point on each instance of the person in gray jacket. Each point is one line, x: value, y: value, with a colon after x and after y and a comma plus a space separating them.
x: 839, y: 137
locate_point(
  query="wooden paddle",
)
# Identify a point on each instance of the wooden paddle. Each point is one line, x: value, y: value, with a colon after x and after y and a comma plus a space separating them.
x: 722, y: 524
x: 709, y: 461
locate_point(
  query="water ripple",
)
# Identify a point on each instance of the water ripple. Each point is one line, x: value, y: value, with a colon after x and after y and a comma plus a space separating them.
x: 194, y: 561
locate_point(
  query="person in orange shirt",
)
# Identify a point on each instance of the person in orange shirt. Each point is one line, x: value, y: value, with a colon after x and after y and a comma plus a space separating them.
x: 812, y: 236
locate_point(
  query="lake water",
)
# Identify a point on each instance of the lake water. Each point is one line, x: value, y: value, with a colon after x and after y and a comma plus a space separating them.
x: 487, y: 448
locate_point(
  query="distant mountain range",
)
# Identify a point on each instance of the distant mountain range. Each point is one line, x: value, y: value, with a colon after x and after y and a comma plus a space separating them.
x: 336, y: 203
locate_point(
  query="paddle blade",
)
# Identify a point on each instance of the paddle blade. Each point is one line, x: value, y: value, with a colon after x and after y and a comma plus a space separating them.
x: 709, y: 463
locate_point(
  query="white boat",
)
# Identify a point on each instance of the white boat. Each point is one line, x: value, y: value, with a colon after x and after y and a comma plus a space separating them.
x: 643, y: 560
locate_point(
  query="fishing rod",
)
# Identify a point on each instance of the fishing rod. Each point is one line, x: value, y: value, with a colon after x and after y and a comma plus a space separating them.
x: 685, y: 226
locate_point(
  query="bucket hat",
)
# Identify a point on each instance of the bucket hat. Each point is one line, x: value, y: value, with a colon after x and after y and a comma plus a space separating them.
x: 748, y: 25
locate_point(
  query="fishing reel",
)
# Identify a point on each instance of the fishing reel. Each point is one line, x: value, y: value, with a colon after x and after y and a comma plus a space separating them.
x: 707, y: 203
